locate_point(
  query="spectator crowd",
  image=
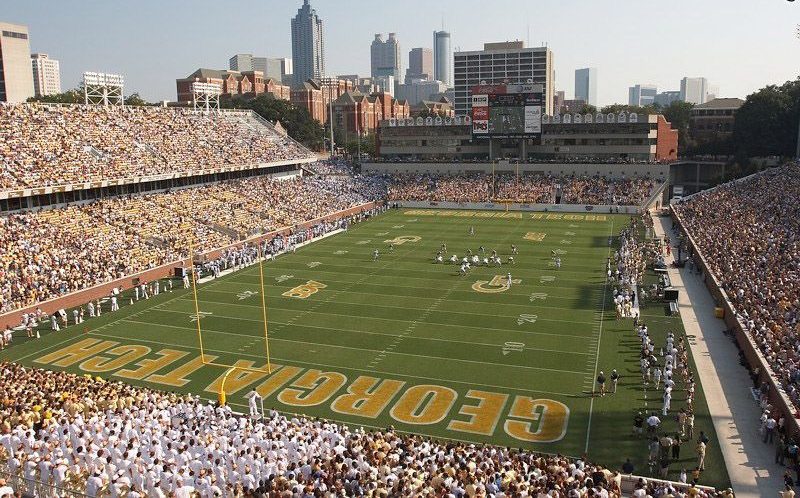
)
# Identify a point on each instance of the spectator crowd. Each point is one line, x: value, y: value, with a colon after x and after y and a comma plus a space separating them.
x: 748, y: 231
x: 111, y: 439
x: 50, y: 253
x: 44, y: 145
x: 532, y: 189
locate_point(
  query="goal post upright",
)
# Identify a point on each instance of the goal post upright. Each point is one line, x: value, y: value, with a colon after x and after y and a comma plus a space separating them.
x: 264, y: 305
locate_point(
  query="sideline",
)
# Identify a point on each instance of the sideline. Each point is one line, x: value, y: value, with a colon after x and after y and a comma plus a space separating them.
x: 750, y: 462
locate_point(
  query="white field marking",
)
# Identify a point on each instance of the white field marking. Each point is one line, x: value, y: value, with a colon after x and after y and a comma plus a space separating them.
x: 325, y: 365
x: 340, y: 252
x: 540, y: 296
x: 565, y: 242
x: 363, y: 242
x: 438, y: 324
x: 296, y: 341
x: 526, y: 318
x: 510, y: 347
x: 194, y: 316
x: 381, y: 234
x: 597, y: 351
x: 313, y: 264
x: 569, y: 234
x: 399, y: 226
x: 467, y: 301
x: 523, y: 274
x: 282, y: 278
x: 246, y: 294
x: 561, y: 251
x: 546, y: 278
x: 575, y: 322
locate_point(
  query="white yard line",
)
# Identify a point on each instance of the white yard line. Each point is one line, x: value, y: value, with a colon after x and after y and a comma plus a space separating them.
x: 597, y: 350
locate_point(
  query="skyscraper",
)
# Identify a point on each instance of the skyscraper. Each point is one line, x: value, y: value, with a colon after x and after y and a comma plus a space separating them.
x: 642, y: 95
x: 442, y: 56
x: 385, y: 58
x: 46, y: 75
x: 586, y: 85
x: 308, y: 45
x: 16, y: 77
x: 694, y: 90
x: 498, y: 63
x: 420, y: 65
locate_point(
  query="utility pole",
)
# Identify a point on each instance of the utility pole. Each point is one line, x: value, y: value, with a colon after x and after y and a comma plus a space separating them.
x: 797, y: 151
x: 330, y: 117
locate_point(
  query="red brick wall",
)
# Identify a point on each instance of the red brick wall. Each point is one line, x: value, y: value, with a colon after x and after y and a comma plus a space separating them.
x: 667, y: 141
x: 78, y: 298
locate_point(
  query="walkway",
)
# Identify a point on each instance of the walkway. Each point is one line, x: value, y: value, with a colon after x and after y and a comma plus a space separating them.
x: 726, y: 385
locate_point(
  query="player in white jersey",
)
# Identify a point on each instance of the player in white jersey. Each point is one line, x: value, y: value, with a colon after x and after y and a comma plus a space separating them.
x: 454, y: 259
x: 438, y: 258
x: 514, y: 249
x: 558, y: 262
x: 485, y: 261
x: 90, y: 308
x: 186, y: 281
x: 511, y: 260
x: 114, y: 304
x: 508, y: 280
x: 375, y: 255
x: 472, y: 230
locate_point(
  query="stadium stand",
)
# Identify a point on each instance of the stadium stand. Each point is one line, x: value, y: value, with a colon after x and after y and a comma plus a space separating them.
x: 746, y: 233
x: 51, y: 253
x: 45, y: 145
x: 62, y: 431
x: 478, y: 187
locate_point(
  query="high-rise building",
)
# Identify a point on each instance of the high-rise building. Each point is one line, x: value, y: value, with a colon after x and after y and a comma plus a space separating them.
x: 442, y: 58
x: 308, y: 45
x: 385, y: 58
x: 694, y: 90
x: 642, y: 95
x: 16, y: 77
x: 241, y: 62
x: 271, y: 68
x: 498, y: 63
x: 420, y: 65
x: 46, y: 75
x: 586, y: 85
x: 558, y: 101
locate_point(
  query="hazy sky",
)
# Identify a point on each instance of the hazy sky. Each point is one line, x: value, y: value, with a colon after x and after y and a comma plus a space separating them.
x: 739, y: 45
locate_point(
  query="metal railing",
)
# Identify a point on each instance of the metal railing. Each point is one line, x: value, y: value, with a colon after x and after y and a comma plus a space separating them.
x: 34, y: 488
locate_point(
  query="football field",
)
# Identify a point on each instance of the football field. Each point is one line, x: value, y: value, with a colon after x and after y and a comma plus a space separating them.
x: 405, y: 341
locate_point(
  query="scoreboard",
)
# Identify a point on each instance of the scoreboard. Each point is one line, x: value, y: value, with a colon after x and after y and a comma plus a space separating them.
x: 507, y: 111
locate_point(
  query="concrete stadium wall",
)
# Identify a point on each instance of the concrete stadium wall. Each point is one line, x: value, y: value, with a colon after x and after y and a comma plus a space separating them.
x: 497, y: 206
x: 81, y: 297
x: 611, y: 170
x: 777, y: 396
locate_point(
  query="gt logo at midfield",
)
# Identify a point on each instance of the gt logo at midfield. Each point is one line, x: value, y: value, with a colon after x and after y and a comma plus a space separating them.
x: 403, y: 239
x: 304, y: 290
x: 498, y: 284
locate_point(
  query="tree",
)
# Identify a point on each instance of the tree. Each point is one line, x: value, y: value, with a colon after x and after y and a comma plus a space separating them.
x: 74, y: 96
x: 588, y: 109
x: 677, y: 113
x: 298, y: 122
x: 766, y: 124
x: 635, y: 109
x: 135, y: 99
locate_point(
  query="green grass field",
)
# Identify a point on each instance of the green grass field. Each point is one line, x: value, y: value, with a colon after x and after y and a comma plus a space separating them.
x: 405, y: 342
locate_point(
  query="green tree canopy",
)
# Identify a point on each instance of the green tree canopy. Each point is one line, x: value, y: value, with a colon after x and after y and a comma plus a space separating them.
x: 74, y: 96
x: 298, y: 122
x: 767, y: 122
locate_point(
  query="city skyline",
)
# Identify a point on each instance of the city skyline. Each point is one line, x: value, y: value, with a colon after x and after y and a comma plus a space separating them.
x: 85, y: 40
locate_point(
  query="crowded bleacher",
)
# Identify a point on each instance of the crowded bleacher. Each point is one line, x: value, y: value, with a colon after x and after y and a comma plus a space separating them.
x: 482, y: 187
x: 54, y: 252
x: 53, y: 145
x: 748, y: 231
x: 106, y: 438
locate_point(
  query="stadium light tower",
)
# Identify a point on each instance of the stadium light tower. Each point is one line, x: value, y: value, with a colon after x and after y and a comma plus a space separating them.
x: 205, y: 96
x: 797, y: 151
x: 103, y: 89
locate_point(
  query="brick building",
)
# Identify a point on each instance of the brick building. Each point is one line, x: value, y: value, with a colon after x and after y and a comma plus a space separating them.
x: 355, y: 112
x: 316, y: 94
x: 232, y: 83
x: 714, y: 119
